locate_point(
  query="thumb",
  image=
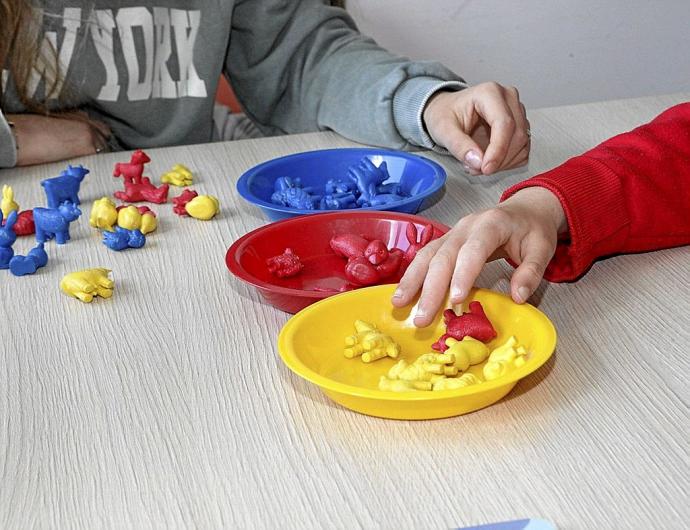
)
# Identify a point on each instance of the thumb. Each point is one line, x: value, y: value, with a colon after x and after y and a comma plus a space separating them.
x: 529, y: 273
x: 464, y: 148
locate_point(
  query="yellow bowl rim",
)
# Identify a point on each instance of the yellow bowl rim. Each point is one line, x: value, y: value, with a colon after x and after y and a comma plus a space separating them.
x: 298, y: 367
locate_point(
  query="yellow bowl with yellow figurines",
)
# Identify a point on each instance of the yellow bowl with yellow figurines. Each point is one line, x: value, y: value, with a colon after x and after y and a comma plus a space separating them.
x: 312, y: 342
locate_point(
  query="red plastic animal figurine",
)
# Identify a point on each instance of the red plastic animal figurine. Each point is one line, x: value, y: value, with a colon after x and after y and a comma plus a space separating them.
x: 474, y: 324
x: 25, y: 223
x: 137, y: 187
x: 285, y: 265
x: 181, y: 201
x: 369, y: 262
x: 416, y: 246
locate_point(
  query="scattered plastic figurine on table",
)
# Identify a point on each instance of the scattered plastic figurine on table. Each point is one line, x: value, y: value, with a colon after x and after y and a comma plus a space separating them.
x: 7, y: 238
x: 370, y: 343
x: 25, y: 219
x: 473, y: 323
x: 8, y: 204
x: 103, y: 214
x: 364, y: 185
x: 181, y: 201
x: 137, y: 187
x: 203, y: 207
x: 65, y: 187
x: 121, y: 239
x: 137, y: 218
x: 87, y: 284
x: 54, y: 222
x: 179, y: 176
x: 29, y: 264
x: 285, y: 265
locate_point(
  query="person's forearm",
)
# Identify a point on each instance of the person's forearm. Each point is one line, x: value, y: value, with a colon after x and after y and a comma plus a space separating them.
x: 42, y: 139
x: 629, y: 194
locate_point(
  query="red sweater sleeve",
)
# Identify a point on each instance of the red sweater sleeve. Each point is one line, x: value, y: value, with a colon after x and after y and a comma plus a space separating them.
x: 628, y: 194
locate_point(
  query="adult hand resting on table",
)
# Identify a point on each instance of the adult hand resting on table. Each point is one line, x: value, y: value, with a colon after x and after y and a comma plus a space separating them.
x: 41, y: 139
x: 484, y: 126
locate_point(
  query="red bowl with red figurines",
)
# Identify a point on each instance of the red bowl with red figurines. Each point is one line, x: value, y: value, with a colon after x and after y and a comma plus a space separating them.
x: 323, y: 271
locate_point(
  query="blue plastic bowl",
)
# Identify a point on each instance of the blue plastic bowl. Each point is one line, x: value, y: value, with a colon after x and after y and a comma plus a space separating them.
x: 419, y: 177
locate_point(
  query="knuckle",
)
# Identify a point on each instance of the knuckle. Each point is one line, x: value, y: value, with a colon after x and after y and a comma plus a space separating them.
x: 513, y: 91
x: 443, y: 260
x: 495, y: 217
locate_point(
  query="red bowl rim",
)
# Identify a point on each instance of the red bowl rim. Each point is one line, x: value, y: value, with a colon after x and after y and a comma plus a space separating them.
x: 235, y: 268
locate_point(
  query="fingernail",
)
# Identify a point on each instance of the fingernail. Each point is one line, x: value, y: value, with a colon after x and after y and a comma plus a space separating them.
x: 420, y: 314
x: 457, y: 295
x: 473, y: 160
x: 466, y: 168
x: 523, y: 294
x: 398, y: 293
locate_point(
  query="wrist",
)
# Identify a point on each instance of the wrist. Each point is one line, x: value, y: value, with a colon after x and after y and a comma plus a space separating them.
x: 544, y: 203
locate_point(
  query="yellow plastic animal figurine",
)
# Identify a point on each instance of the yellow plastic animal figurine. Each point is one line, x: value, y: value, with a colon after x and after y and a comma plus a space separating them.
x: 103, y: 214
x: 8, y: 203
x: 370, y: 343
x: 179, y: 175
x: 504, y: 359
x: 148, y: 223
x: 85, y: 285
x: 129, y: 218
x: 203, y: 207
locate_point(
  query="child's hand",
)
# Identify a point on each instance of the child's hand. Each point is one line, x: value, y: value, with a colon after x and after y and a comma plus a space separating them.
x: 484, y: 126
x: 524, y: 228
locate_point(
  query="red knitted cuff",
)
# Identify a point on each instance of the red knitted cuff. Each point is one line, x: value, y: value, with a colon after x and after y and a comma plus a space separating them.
x: 595, y: 209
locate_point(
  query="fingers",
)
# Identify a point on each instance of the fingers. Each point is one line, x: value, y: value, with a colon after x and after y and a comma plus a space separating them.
x: 413, y: 278
x: 492, y: 107
x: 473, y: 255
x: 465, y: 149
x: 538, y: 251
x: 500, y: 107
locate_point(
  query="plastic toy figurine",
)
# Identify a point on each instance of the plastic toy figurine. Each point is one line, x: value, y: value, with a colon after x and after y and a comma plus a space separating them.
x: 8, y: 204
x: 337, y: 186
x: 415, y: 245
x: 203, y: 207
x: 285, y: 265
x: 370, y: 343
x: 137, y: 218
x: 338, y: 201
x: 7, y: 239
x: 369, y: 262
x: 299, y: 198
x: 122, y: 239
x: 468, y: 351
x: 179, y: 176
x: 65, y: 187
x: 85, y: 285
x: 103, y: 214
x: 25, y: 223
x: 137, y: 187
x: 29, y: 264
x: 181, y: 201
x: 474, y: 323
x: 54, y: 222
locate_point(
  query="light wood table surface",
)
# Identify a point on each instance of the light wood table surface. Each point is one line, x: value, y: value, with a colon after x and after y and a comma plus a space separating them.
x: 167, y: 406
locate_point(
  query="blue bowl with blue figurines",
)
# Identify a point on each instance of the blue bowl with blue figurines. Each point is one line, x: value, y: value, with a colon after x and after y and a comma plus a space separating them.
x: 338, y: 179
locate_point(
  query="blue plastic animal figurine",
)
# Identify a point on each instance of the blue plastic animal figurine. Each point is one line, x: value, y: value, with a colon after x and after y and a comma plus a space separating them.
x: 29, y: 264
x: 338, y: 201
x: 54, y: 222
x: 122, y: 239
x: 334, y: 186
x: 7, y: 239
x: 64, y: 187
x: 296, y: 198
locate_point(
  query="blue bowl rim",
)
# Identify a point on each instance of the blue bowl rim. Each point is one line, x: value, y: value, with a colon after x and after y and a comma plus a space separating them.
x: 440, y: 177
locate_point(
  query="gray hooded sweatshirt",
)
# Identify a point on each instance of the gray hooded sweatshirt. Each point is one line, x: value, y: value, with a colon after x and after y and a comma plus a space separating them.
x: 150, y: 71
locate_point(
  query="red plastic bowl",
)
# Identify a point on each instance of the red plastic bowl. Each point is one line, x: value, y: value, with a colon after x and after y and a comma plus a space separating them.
x: 309, y: 236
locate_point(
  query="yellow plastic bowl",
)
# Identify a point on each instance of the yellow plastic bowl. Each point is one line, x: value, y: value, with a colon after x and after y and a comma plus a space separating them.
x: 311, y: 345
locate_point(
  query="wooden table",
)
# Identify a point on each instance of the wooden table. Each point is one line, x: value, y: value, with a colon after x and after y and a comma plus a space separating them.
x: 167, y: 406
